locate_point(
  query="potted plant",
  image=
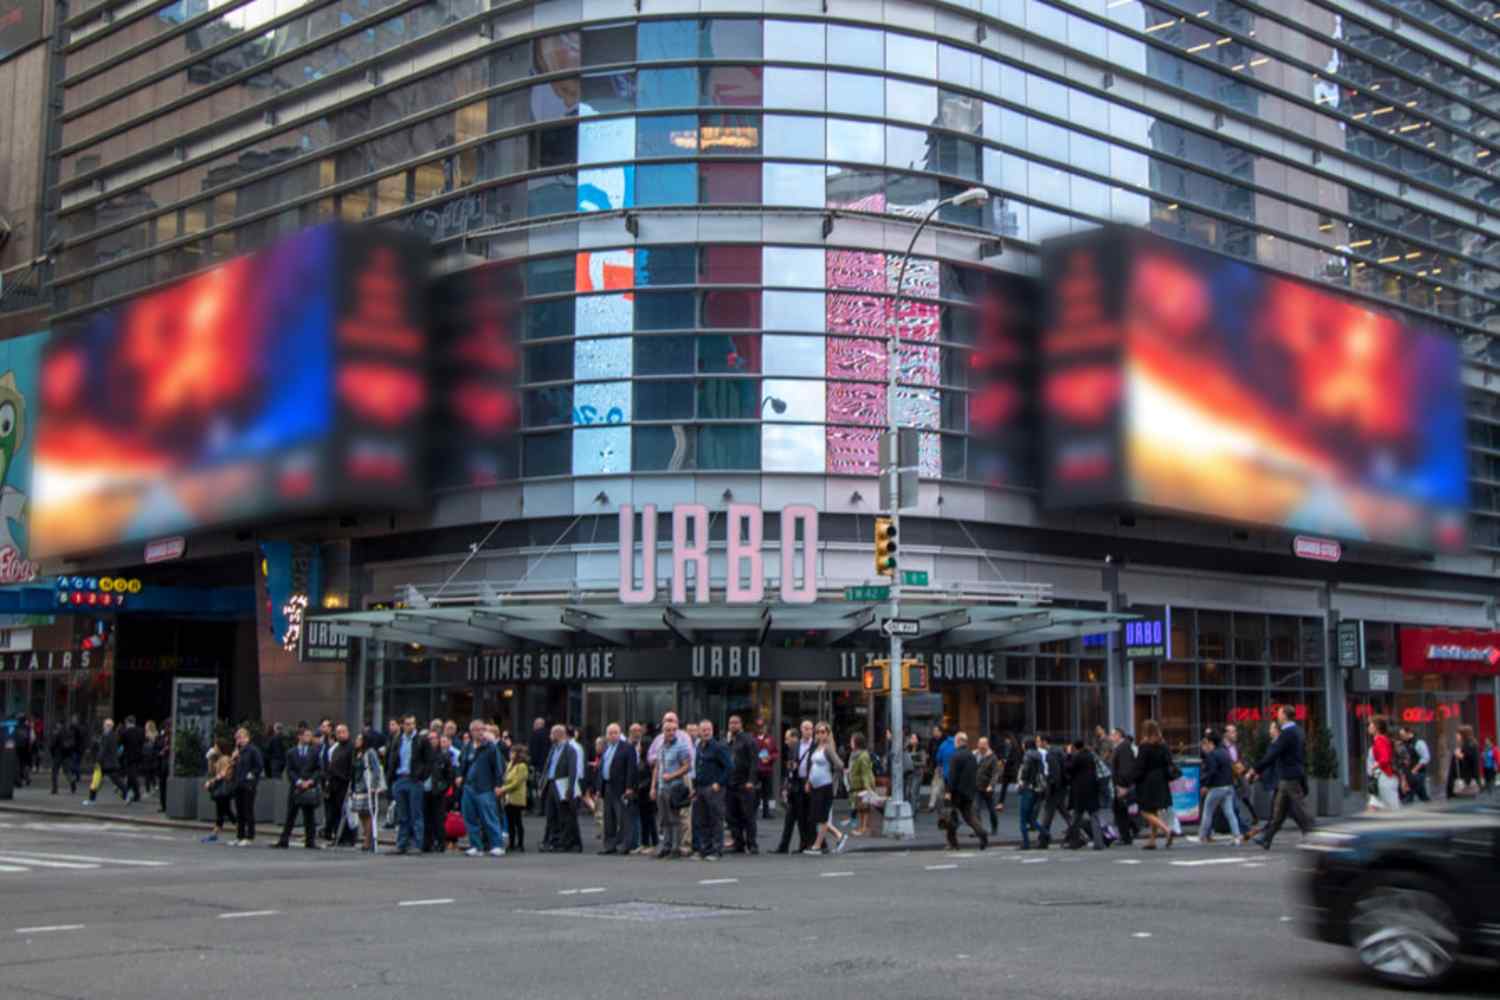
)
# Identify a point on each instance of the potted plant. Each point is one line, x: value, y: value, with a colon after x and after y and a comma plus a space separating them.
x: 1323, y: 773
x: 188, y: 767
x: 1255, y: 741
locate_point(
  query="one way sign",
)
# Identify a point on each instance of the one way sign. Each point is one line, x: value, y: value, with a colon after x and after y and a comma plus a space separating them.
x: 901, y: 626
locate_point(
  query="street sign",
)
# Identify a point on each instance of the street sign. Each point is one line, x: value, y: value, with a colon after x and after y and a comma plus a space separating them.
x: 1348, y: 644
x: 914, y: 577
x: 908, y: 489
x: 899, y: 448
x: 901, y: 626
x: 867, y: 593
x: 1319, y: 549
x: 165, y: 549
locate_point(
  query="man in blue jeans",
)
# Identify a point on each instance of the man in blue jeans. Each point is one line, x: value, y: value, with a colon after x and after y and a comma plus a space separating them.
x: 1216, y: 779
x: 481, y: 813
x: 1033, y: 780
x: 408, y: 763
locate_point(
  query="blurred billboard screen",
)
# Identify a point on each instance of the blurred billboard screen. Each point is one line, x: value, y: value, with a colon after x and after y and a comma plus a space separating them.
x: 293, y: 380
x: 1184, y: 381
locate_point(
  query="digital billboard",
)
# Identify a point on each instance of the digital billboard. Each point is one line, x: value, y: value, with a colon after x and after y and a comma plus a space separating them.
x: 1184, y: 381
x: 20, y: 25
x: 20, y: 366
x: 290, y: 380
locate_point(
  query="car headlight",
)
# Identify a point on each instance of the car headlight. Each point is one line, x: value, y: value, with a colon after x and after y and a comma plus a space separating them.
x: 1328, y: 841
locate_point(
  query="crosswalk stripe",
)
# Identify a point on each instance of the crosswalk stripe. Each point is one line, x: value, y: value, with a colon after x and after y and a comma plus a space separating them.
x: 1208, y: 861
x: 13, y: 868
x: 49, y: 929
x: 128, y: 862
x: 40, y: 863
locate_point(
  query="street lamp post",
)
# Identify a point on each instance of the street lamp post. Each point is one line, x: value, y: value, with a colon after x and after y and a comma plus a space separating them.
x: 898, y: 812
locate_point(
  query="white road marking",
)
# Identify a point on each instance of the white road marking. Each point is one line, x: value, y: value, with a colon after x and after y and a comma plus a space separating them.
x: 1129, y: 861
x: 423, y: 902
x: 1286, y: 920
x: 13, y: 868
x: 1207, y: 861
x: 567, y: 892
x: 40, y: 863
x: 835, y: 874
x: 130, y: 862
x: 940, y: 868
x: 1141, y: 934
x: 1254, y: 864
x: 248, y: 913
x: 1033, y: 861
x: 590, y: 891
x: 49, y: 929
x: 717, y: 881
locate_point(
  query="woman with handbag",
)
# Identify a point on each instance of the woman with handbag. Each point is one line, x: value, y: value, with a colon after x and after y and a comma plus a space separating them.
x: 512, y: 795
x: 220, y: 786
x: 1152, y: 781
x: 1385, y: 789
x: 435, y: 797
x: 248, y: 767
x: 366, y: 787
x: 824, y: 768
x: 1465, y: 768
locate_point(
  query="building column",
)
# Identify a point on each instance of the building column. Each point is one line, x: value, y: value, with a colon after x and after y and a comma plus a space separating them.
x: 1119, y: 692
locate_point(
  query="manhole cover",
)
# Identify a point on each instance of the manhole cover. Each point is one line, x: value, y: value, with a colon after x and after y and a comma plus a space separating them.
x: 641, y: 911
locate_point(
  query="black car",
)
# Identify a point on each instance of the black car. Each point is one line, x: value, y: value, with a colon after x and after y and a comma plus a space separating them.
x: 1411, y: 892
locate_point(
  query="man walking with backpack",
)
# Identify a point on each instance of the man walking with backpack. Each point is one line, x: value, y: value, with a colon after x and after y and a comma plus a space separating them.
x: 1033, y: 779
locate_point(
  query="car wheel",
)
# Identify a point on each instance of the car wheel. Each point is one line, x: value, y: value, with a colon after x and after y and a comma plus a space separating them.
x: 1404, y: 932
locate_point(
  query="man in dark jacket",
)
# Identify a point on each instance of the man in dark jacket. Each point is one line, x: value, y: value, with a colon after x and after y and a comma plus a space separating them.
x: 1057, y: 790
x: 744, y: 753
x: 408, y: 763
x: 1288, y: 755
x: 132, y: 753
x: 561, y: 782
x: 107, y: 756
x: 304, y: 774
x: 67, y: 745
x: 963, y: 787
x: 276, y: 748
x: 617, y: 780
x: 1122, y: 765
x: 538, y: 745
x: 1216, y: 781
x: 710, y: 778
x: 337, y: 761
x: 1083, y: 797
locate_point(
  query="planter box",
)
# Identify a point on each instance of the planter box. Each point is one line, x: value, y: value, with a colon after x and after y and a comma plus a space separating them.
x: 206, y: 811
x: 273, y: 792
x: 182, y: 798
x: 1328, y: 796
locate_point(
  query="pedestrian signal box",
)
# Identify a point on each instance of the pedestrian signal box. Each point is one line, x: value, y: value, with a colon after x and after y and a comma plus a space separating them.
x: 915, y: 680
x: 877, y: 675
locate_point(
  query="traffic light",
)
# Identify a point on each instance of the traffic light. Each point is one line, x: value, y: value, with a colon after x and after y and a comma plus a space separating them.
x: 877, y: 675
x: 885, y: 547
x: 913, y: 677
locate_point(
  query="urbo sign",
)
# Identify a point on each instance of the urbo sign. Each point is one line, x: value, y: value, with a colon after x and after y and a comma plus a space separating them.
x: 745, y: 578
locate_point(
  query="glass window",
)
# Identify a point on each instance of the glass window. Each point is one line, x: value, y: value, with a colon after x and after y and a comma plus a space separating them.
x: 960, y: 112
x: 599, y: 450
x: 548, y: 407
x: 595, y: 314
x: 606, y: 141
x: 955, y: 156
x: 666, y: 265
x: 795, y: 311
x: 1213, y: 635
x: 794, y: 88
x: 664, y: 400
x: 549, y: 319
x: 729, y: 184
x: 912, y: 193
x: 857, y: 142
x: 857, y: 46
x: 729, y: 447
x: 549, y: 274
x: 855, y: 94
x: 722, y: 353
x: 794, y: 135
x: 793, y: 355
x: 724, y: 309
x: 667, y: 183
x: 906, y: 147
x: 793, y: 448
x: 663, y: 355
x: 730, y: 38
x: 730, y: 264
x: 604, y: 93
x: 547, y: 454
x: 959, y: 66
x: 665, y: 310
x: 732, y: 86
x: 604, y: 357
x: 912, y: 56
x: 850, y: 187
x: 611, y: 43
x: 604, y: 189
x: 557, y: 52
x: 676, y: 87
x: 666, y: 40
x: 799, y: 184
x: 795, y: 41
x: 729, y: 132
x: 728, y: 399
x: 666, y: 135
x: 664, y: 449
x: 601, y: 403
x: 554, y: 147
x: 913, y: 102
x: 549, y: 362
x: 797, y: 266
x: 794, y: 400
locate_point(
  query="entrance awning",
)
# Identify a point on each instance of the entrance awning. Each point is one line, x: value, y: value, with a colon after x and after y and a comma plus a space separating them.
x: 981, y: 618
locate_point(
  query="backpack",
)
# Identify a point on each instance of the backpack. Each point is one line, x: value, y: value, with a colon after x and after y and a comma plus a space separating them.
x: 1034, y: 776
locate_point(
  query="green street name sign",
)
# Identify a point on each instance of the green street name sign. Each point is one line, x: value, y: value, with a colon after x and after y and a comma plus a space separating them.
x: 914, y: 577
x: 867, y: 593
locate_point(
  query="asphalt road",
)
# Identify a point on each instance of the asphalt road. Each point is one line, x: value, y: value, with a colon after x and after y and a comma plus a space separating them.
x: 91, y: 910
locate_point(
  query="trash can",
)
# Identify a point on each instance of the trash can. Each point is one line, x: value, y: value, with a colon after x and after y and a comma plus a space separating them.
x: 10, y: 766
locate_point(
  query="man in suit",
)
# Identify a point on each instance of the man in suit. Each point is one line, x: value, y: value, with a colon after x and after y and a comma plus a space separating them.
x: 1289, y: 756
x: 337, y: 763
x: 618, y: 775
x: 276, y: 750
x: 408, y: 763
x: 962, y: 779
x: 132, y: 753
x: 560, y: 795
x: 798, y: 806
x: 539, y: 745
x: 1122, y: 765
x: 1057, y: 790
x: 303, y: 775
x: 744, y: 754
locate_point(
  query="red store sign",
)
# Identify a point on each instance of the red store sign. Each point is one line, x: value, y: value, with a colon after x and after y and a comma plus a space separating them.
x: 1449, y: 651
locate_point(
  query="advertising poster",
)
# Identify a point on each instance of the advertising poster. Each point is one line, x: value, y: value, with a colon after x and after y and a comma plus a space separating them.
x: 20, y: 365
x: 1185, y: 791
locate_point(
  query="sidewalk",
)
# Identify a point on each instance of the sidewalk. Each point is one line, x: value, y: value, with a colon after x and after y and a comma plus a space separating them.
x: 38, y: 801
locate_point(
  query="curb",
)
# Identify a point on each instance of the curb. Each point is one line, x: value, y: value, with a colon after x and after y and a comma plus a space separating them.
x: 103, y: 817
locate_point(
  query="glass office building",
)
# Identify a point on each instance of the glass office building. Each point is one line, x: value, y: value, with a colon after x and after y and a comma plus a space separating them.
x: 706, y: 204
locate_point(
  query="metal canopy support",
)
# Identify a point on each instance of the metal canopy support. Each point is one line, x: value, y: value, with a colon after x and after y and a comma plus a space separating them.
x: 946, y: 622
x: 848, y: 625
x: 584, y: 621
x: 460, y: 631
x: 678, y: 625
x: 389, y: 633
x: 521, y: 628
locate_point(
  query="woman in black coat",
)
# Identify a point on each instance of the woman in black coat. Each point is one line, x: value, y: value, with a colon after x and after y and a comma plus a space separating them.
x: 1153, y: 781
x: 1464, y: 768
x: 1083, y: 797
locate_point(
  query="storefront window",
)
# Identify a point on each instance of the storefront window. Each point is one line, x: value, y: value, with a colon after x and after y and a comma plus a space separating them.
x: 1213, y: 635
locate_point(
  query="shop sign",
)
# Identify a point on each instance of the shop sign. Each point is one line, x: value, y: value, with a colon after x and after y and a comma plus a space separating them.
x: 719, y: 662
x: 1453, y: 651
x: 1272, y: 711
x: 319, y: 640
x: 1317, y: 549
x: 1149, y: 638
x: 165, y: 549
x: 1415, y: 715
x: 745, y: 578
x: 46, y: 659
x: 1349, y: 645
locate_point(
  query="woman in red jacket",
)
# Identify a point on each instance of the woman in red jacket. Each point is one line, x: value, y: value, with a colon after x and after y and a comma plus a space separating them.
x: 1385, y: 789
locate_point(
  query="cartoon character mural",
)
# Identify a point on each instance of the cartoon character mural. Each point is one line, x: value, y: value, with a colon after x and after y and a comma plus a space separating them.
x: 20, y: 360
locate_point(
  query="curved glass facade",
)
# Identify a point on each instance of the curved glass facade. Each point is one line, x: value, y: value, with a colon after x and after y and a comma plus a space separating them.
x: 722, y: 333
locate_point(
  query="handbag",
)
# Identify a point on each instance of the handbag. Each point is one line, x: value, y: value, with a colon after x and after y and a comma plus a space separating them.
x: 309, y: 796
x: 679, y: 797
x: 1465, y: 789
